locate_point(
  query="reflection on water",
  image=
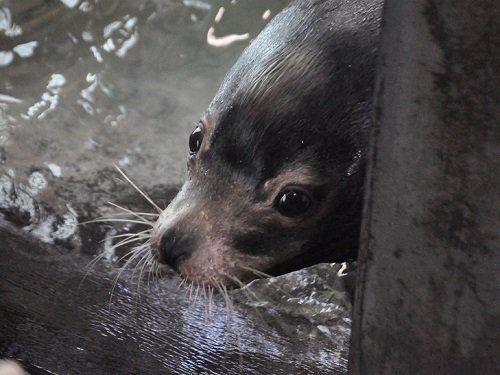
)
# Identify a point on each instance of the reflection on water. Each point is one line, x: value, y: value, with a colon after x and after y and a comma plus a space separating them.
x: 94, y: 76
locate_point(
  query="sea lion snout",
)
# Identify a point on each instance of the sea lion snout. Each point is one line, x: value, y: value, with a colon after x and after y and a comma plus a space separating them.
x: 196, y: 234
x: 172, y: 239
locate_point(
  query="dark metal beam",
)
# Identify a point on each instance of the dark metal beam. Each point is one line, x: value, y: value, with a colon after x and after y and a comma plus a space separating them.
x: 428, y: 297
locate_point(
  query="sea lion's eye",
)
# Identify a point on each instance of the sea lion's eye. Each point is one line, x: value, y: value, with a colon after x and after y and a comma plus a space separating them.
x: 195, y: 140
x: 293, y: 202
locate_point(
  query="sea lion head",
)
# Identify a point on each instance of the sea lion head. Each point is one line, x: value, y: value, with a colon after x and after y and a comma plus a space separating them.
x: 275, y: 166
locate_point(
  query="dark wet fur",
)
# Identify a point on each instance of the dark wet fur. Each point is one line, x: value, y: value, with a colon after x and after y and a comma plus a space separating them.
x: 295, y: 107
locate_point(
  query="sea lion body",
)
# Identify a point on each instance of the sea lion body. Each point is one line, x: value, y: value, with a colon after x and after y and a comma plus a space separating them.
x: 276, y: 165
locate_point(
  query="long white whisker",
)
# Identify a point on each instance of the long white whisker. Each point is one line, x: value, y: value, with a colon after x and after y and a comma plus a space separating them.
x: 190, y: 290
x: 132, y: 251
x: 183, y: 281
x: 256, y: 272
x: 116, y: 220
x: 210, y: 300
x: 90, y: 266
x: 196, y: 294
x: 136, y: 214
x: 142, y: 264
x: 136, y: 253
x: 127, y: 241
x: 144, y: 234
x: 137, y: 188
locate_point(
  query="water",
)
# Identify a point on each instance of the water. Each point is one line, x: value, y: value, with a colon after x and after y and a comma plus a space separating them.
x: 88, y: 84
x: 85, y: 85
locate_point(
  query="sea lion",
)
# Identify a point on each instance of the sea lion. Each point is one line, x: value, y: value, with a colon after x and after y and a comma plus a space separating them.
x: 276, y: 164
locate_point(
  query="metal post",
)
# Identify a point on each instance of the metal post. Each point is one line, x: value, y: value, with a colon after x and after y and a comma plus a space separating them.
x: 428, y: 293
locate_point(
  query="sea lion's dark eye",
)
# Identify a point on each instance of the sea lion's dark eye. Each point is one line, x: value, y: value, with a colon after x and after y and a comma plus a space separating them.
x: 195, y: 140
x: 293, y: 202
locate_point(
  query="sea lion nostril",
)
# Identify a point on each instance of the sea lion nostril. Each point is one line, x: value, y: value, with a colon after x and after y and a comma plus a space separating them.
x: 172, y: 248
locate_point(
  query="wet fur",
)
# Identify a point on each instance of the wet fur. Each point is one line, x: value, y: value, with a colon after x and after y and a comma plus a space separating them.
x: 293, y: 111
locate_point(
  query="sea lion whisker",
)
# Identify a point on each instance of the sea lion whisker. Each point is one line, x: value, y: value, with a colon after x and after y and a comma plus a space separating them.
x: 139, y: 266
x: 210, y: 299
x: 99, y: 257
x: 203, y: 291
x: 157, y: 274
x: 143, y: 234
x: 182, y: 282
x: 115, y: 220
x: 94, y: 261
x: 132, y: 256
x: 160, y: 270
x: 138, y: 189
x: 227, y: 298
x: 189, y: 291
x: 234, y: 279
x: 230, y: 310
x: 143, y: 263
x: 134, y: 250
x: 193, y: 294
x: 136, y: 214
x: 242, y: 286
x: 153, y: 271
x: 121, y: 215
x: 211, y: 285
x: 205, y: 294
x: 114, y: 283
x: 90, y: 266
x: 128, y: 240
x: 151, y: 268
x: 121, y: 270
x: 256, y: 272
x: 196, y: 294
x: 142, y: 249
